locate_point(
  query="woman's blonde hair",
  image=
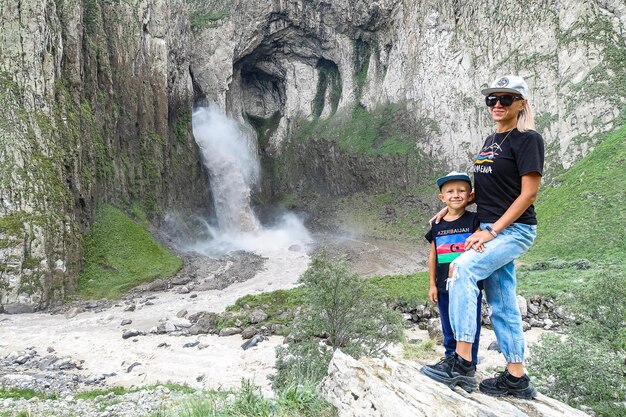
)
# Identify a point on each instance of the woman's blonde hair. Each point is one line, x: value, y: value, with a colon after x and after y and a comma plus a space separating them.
x: 526, y: 118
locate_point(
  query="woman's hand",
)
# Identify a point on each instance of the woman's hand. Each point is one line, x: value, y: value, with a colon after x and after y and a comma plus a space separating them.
x: 437, y: 217
x: 477, y: 240
x: 433, y: 294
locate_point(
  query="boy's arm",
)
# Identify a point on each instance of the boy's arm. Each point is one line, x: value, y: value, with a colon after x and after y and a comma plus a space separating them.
x: 432, y: 272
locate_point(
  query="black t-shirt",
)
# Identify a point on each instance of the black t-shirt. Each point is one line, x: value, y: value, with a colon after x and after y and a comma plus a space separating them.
x: 449, y: 240
x: 498, y: 170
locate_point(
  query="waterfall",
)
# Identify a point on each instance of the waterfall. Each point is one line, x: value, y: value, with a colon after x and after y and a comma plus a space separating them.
x: 230, y: 156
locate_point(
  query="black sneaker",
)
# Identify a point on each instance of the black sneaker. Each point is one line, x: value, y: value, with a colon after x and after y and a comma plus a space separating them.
x: 502, y: 385
x: 452, y: 371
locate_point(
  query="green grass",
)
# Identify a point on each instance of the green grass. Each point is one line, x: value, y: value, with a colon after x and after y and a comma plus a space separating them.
x: 408, y: 289
x: 584, y: 215
x: 92, y: 394
x: 248, y: 401
x: 279, y: 306
x: 119, y: 253
x: 425, y: 349
x: 555, y: 283
x: 24, y: 393
x: 200, y: 20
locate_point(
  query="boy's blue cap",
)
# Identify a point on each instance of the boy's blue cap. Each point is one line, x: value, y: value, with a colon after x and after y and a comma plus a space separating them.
x: 454, y: 175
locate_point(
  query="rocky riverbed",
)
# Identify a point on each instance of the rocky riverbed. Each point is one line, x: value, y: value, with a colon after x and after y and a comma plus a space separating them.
x: 164, y: 333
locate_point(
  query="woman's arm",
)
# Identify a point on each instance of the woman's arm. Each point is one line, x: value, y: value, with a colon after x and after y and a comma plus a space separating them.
x: 530, y: 188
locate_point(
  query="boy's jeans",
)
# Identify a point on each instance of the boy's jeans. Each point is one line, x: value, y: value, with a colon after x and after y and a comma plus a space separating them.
x: 495, y: 266
x: 448, y: 336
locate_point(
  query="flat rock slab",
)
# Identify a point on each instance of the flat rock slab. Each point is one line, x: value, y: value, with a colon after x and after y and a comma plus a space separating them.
x: 384, y: 387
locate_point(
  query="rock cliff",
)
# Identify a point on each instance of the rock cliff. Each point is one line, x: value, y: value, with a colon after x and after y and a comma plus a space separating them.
x: 295, y: 60
x: 97, y: 99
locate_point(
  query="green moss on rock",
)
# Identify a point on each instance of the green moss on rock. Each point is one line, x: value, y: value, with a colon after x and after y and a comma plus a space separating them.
x: 120, y: 254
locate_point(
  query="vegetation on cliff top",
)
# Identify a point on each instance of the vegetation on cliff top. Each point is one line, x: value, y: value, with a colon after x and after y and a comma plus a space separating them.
x: 385, y: 130
x: 119, y: 254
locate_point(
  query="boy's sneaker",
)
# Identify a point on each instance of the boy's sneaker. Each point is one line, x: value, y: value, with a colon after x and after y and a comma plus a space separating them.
x: 451, y: 371
x: 502, y: 385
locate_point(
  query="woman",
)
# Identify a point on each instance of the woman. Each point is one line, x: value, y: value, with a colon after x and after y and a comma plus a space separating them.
x: 507, y: 174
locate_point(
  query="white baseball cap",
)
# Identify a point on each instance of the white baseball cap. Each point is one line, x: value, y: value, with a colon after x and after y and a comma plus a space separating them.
x: 508, y: 84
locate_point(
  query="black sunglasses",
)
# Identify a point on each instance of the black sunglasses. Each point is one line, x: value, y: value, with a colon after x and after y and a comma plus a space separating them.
x: 506, y: 101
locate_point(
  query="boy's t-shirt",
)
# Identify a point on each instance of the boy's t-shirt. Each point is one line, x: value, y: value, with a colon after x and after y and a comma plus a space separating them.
x: 449, y: 238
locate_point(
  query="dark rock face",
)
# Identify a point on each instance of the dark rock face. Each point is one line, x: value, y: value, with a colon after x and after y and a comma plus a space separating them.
x: 325, y: 168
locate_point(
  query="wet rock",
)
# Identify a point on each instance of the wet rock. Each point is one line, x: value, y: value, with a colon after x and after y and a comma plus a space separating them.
x: 181, y: 313
x: 253, y: 342
x: 130, y: 307
x: 434, y: 330
x: 157, y: 285
x: 184, y: 290
x: 203, y: 323
x: 229, y: 331
x: 295, y: 248
x: 73, y: 312
x: 559, y: 312
x: 130, y: 333
x: 126, y: 322
x: 18, y: 308
x: 181, y: 280
x: 257, y: 316
x: 191, y: 344
x: 166, y: 327
x: 494, y: 346
x: 133, y: 366
x: 184, y: 324
x: 248, y: 332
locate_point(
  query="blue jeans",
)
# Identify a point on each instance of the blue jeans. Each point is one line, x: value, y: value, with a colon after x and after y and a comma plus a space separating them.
x: 496, y: 267
x: 448, y: 336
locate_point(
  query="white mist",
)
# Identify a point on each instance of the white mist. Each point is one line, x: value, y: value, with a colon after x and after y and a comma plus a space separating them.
x: 230, y: 156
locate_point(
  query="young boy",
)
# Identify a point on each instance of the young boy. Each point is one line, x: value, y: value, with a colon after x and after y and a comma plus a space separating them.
x: 447, y: 242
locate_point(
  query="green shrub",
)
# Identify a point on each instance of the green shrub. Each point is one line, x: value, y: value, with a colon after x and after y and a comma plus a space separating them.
x: 600, y: 305
x: 305, y: 362
x: 579, y: 372
x: 347, y: 308
x: 586, y: 367
x: 342, y: 309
